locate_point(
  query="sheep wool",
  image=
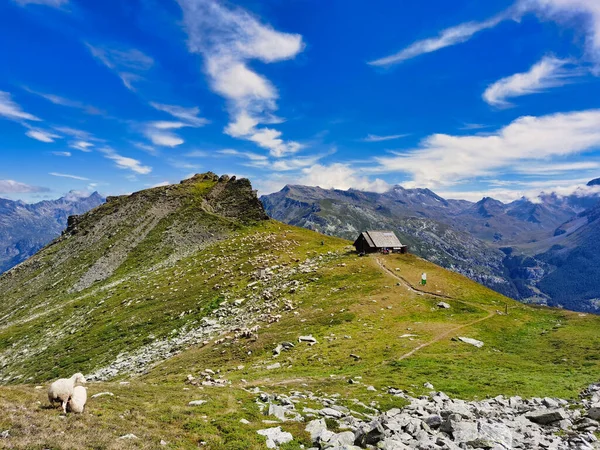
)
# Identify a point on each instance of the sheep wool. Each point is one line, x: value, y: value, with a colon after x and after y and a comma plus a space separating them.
x: 62, y: 390
x: 78, y: 399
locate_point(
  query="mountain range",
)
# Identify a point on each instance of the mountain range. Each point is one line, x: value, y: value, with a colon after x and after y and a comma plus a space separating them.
x: 535, y: 251
x: 26, y: 228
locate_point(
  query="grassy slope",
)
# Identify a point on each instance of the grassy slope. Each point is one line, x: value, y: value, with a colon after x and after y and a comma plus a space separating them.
x: 531, y: 351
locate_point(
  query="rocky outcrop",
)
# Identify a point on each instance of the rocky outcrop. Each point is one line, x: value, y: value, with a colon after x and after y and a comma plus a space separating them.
x: 437, y: 421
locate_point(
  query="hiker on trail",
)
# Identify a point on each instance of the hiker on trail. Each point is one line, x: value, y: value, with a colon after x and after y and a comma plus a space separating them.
x: 423, y: 279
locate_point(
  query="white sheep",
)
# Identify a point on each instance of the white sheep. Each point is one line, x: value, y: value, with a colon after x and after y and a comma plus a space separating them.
x: 61, y: 390
x: 78, y: 399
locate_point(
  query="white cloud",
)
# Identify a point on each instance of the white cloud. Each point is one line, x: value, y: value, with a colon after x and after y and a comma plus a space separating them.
x: 66, y: 154
x: 128, y: 64
x: 340, y: 176
x: 448, y: 37
x: 375, y: 138
x: 161, y: 184
x: 156, y: 131
x: 41, y: 135
x: 82, y: 146
x: 530, y: 190
x: 443, y: 160
x: 228, y: 39
x: 52, y: 3
x: 556, y: 169
x: 163, y: 138
x: 66, y: 175
x: 188, y: 115
x: 73, y: 132
x: 548, y: 73
x: 15, y: 187
x: 12, y: 111
x: 167, y: 125
x: 147, y: 148
x: 565, y: 11
x: 62, y: 101
x: 249, y: 155
x: 124, y: 162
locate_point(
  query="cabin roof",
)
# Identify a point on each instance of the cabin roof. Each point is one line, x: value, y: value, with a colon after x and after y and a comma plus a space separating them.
x: 382, y: 239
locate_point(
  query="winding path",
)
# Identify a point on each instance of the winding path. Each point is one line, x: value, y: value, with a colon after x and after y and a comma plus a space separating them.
x: 420, y: 291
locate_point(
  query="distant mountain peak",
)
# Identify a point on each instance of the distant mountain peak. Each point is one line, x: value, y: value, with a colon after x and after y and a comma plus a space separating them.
x: 594, y: 182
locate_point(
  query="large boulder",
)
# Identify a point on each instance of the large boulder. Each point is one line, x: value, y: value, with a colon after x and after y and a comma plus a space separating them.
x: 547, y: 416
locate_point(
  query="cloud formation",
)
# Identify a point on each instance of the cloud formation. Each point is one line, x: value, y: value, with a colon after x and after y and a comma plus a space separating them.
x: 52, y: 3
x: 448, y: 37
x: 158, y: 132
x: 375, y: 138
x: 66, y: 175
x: 189, y: 116
x: 41, y: 135
x: 15, y: 187
x: 62, y: 101
x: 548, y: 73
x: 82, y: 146
x: 564, y: 12
x: 340, y: 176
x: 128, y: 64
x: 12, y: 111
x: 228, y: 39
x: 443, y: 160
x: 124, y: 162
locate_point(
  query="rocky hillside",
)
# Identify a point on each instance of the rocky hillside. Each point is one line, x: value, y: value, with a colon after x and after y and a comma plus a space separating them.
x: 200, y: 322
x: 503, y: 246
x: 26, y: 228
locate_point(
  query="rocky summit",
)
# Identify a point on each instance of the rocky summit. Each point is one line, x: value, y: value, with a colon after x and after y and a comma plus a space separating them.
x: 199, y: 322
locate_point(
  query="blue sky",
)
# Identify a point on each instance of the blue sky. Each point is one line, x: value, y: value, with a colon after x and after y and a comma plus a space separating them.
x: 468, y: 98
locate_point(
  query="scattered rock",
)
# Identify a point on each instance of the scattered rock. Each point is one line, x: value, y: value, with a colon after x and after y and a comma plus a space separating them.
x: 102, y: 394
x: 443, y: 305
x: 128, y: 436
x: 196, y: 402
x: 308, y: 339
x: 471, y: 341
x: 274, y: 366
x: 275, y: 437
x: 546, y: 416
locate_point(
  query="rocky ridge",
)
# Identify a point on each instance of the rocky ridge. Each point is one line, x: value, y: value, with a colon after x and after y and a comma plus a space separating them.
x: 436, y: 422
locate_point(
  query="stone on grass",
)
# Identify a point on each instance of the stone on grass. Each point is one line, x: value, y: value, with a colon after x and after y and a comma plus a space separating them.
x: 128, y: 436
x: 443, y: 305
x: 102, y: 394
x: 196, y: 402
x: 308, y: 339
x: 471, y: 341
x: 276, y: 437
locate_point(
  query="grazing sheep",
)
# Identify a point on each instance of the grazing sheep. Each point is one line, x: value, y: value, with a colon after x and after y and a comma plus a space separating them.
x: 77, y: 401
x: 61, y: 390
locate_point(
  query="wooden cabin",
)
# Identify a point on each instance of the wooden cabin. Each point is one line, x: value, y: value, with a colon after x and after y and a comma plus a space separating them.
x: 379, y: 241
